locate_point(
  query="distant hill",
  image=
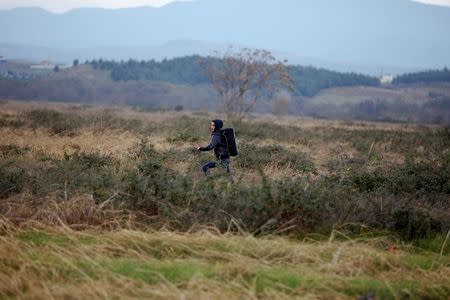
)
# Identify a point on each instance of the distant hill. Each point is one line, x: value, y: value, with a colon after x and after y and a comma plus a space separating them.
x: 307, y: 81
x: 170, y: 49
x: 378, y: 36
x: 150, y: 82
x: 334, y: 95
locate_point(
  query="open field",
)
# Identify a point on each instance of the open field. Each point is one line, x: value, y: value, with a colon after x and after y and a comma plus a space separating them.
x: 111, y: 203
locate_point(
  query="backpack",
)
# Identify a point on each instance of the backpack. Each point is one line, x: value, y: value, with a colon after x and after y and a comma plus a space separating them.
x: 230, y: 141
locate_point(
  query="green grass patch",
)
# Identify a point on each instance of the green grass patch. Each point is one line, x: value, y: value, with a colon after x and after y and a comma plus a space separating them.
x: 175, y: 271
x: 361, y: 287
x: 42, y: 238
x: 426, y: 263
x: 435, y: 244
x: 277, y: 279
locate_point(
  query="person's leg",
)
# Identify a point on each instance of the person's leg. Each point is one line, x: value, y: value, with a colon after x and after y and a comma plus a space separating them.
x: 207, y: 166
x: 225, y: 163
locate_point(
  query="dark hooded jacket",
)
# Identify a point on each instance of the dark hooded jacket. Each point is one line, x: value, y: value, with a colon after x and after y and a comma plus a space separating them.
x: 217, y: 142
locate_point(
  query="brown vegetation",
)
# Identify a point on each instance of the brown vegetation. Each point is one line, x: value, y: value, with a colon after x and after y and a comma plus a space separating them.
x: 103, y: 202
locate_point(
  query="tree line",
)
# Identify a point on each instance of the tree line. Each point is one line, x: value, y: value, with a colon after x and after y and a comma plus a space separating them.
x: 182, y: 70
x: 426, y: 76
x: 307, y: 81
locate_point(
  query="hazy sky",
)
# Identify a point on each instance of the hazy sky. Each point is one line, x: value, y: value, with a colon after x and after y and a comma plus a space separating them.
x: 64, y: 5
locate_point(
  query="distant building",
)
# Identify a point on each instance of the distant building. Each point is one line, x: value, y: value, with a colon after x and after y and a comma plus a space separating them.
x: 47, y: 65
x: 43, y: 65
x: 386, y: 79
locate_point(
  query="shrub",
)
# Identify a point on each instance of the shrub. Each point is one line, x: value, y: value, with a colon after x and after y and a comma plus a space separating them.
x: 254, y: 157
x: 254, y: 131
x: 56, y: 122
x: 6, y: 121
x: 422, y: 178
x: 12, y: 180
x: 367, y: 181
x: 13, y: 150
x: 76, y: 173
x: 184, y: 136
x: 132, y: 125
x: 146, y: 180
x: 412, y: 223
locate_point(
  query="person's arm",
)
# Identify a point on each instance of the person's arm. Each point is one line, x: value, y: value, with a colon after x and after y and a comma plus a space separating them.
x: 214, y: 142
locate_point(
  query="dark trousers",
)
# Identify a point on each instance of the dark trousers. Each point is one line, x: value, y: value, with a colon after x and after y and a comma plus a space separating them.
x: 224, y: 163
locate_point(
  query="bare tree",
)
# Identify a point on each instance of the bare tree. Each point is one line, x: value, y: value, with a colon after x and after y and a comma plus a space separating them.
x: 244, y: 76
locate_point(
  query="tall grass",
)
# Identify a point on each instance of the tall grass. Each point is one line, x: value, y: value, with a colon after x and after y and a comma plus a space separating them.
x: 58, y: 262
x: 410, y: 199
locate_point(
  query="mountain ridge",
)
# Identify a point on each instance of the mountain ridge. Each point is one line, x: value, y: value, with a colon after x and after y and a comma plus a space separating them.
x: 399, y: 33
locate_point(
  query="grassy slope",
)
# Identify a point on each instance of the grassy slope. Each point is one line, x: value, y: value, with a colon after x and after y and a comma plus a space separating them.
x: 413, y: 93
x: 59, y: 263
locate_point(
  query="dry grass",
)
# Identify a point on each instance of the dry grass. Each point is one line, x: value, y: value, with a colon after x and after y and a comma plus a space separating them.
x: 311, y: 123
x: 108, y: 142
x: 125, y: 264
x: 116, y: 143
x: 79, y: 212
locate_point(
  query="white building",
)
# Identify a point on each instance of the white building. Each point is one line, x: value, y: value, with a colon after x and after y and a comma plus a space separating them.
x: 43, y: 65
x: 386, y: 79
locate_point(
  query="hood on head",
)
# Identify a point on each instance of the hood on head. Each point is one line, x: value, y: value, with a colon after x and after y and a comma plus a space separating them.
x: 218, y: 124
